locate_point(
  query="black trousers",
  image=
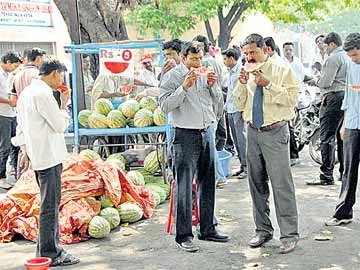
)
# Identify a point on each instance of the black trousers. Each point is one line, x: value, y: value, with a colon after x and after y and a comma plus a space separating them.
x: 49, y: 181
x: 193, y: 153
x: 331, y: 117
x: 294, y: 151
x: 344, y: 207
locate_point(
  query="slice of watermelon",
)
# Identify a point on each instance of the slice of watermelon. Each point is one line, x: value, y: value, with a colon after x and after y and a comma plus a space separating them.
x: 250, y: 67
x: 126, y: 89
x: 62, y: 88
x: 116, y: 67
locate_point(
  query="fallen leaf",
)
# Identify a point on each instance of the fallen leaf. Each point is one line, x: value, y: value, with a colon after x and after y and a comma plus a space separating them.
x: 322, y: 237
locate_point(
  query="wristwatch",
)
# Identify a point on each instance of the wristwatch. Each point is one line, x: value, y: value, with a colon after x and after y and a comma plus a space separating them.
x: 268, y: 87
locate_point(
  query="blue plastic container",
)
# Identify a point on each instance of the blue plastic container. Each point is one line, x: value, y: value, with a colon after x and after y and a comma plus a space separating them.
x: 225, y: 161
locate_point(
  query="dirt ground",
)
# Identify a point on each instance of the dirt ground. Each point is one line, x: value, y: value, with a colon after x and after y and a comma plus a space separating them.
x: 145, y: 245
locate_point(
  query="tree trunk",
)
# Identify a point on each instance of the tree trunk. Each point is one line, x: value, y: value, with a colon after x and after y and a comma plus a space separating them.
x: 100, y: 20
x: 209, y: 32
x: 224, y: 34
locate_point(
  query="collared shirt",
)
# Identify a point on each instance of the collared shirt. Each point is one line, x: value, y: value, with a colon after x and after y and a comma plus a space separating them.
x: 24, y: 77
x: 279, y: 99
x: 351, y: 102
x: 233, y: 79
x: 299, y: 70
x: 41, y: 126
x: 5, y: 109
x: 319, y: 58
x: 108, y: 84
x: 88, y: 81
x: 194, y: 108
x: 334, y: 72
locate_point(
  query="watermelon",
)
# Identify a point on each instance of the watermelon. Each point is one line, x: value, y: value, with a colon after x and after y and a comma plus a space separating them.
x: 129, y: 108
x: 159, y: 117
x: 99, y: 227
x: 117, y: 156
x: 151, y: 162
x: 103, y: 106
x: 136, y: 178
x: 105, y: 201
x: 97, y: 120
x: 166, y: 188
x: 111, y: 215
x: 156, y: 196
x: 83, y: 118
x: 88, y: 154
x: 143, y: 118
x: 148, y: 103
x: 116, y: 119
x: 119, y: 163
x: 130, y: 212
x: 158, y: 190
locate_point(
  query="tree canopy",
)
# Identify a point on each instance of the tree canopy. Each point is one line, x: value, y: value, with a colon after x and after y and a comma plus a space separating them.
x: 179, y: 16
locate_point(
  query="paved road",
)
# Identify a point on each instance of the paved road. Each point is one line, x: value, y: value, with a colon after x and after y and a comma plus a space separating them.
x: 149, y: 248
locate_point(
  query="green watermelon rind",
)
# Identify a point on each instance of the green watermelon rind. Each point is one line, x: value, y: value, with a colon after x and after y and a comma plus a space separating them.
x: 99, y: 227
x: 143, y: 118
x: 136, y: 178
x: 116, y: 119
x: 111, y: 215
x: 130, y: 212
x: 158, y: 190
x: 83, y: 118
x: 103, y: 106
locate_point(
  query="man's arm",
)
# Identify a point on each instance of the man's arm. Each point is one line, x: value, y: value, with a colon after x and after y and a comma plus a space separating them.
x: 173, y: 92
x: 4, y: 101
x: 240, y: 94
x: 329, y: 73
x: 285, y: 90
x: 57, y: 119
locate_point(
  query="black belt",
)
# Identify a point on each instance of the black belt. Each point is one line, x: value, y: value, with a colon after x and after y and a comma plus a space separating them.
x: 268, y: 127
x: 194, y: 129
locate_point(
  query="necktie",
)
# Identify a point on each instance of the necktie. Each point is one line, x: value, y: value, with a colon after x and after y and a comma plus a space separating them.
x: 257, y: 113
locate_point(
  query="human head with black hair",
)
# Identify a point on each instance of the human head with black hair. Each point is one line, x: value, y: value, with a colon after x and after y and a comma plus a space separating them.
x: 254, y: 48
x: 202, y: 42
x: 172, y: 50
x: 10, y: 61
x: 270, y: 45
x: 34, y: 56
x: 52, y: 71
x: 332, y: 41
x: 230, y: 56
x: 319, y: 41
x: 288, y: 49
x: 192, y: 55
x: 352, y: 47
x: 86, y: 62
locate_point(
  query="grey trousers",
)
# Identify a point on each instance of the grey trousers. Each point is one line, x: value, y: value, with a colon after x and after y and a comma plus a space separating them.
x: 268, y: 158
x: 7, y: 130
x: 238, y: 133
x: 49, y: 181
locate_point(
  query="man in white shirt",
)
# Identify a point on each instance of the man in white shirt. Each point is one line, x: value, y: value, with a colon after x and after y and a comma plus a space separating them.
x: 9, y: 62
x: 299, y: 71
x: 320, y: 55
x: 40, y: 134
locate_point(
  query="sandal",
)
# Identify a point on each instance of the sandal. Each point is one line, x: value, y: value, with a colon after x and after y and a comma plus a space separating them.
x: 64, y: 259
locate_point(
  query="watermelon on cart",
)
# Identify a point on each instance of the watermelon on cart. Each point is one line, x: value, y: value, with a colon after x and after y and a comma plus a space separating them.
x: 103, y: 106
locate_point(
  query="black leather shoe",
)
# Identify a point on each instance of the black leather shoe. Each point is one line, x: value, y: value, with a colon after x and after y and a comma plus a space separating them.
x: 320, y: 181
x: 216, y: 237
x: 238, y: 172
x: 259, y: 239
x: 188, y: 246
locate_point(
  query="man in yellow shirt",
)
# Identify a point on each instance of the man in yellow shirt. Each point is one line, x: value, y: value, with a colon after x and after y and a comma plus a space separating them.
x: 266, y: 94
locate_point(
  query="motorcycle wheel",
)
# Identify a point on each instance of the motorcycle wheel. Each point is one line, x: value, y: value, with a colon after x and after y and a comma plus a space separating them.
x: 314, y: 148
x: 99, y: 145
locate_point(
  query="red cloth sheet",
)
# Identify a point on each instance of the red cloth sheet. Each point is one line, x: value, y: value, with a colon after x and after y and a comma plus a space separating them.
x: 81, y: 180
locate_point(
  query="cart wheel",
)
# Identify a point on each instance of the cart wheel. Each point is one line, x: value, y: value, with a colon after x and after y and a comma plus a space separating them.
x: 99, y: 145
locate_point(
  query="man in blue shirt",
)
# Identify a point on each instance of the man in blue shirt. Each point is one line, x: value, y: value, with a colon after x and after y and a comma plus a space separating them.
x: 350, y: 133
x: 236, y: 122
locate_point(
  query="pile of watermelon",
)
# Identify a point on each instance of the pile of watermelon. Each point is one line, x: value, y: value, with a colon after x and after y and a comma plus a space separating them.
x: 130, y: 113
